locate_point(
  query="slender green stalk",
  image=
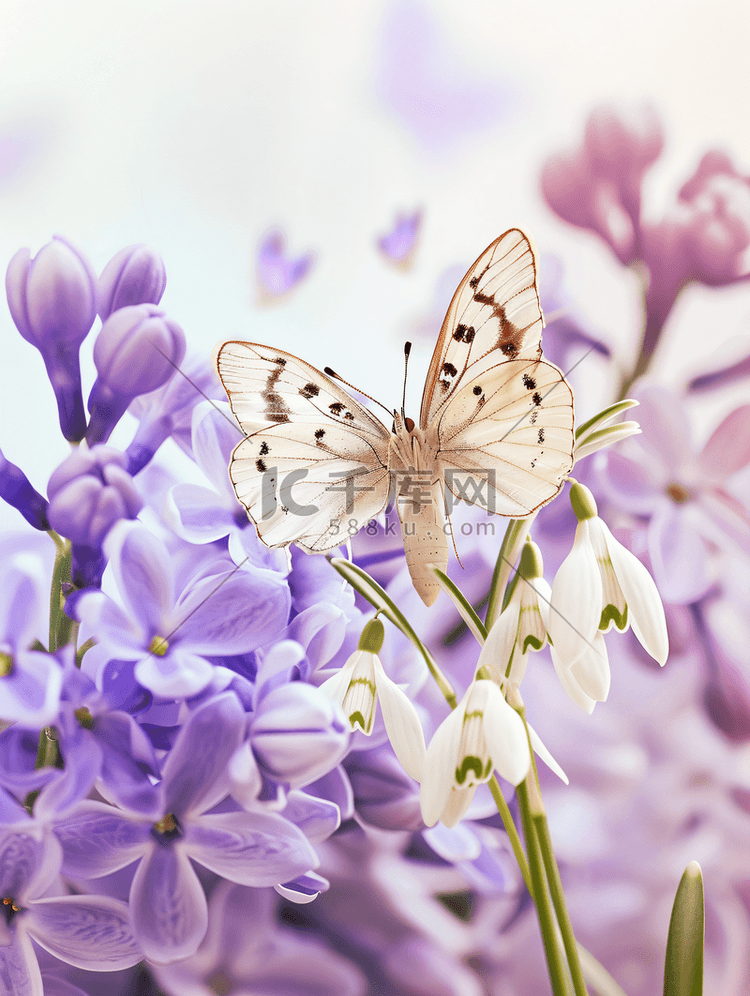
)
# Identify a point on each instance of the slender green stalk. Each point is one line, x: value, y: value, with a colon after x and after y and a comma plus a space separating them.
x: 510, y: 829
x: 547, y: 925
x: 558, y: 901
x: 515, y: 534
x: 47, y: 751
x: 59, y: 624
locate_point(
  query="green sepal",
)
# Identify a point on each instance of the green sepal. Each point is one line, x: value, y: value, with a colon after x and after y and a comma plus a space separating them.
x: 583, y: 502
x: 683, y: 969
x: 531, y: 564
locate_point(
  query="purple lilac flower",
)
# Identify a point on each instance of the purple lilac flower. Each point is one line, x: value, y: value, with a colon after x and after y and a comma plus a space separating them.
x: 168, y: 411
x: 91, y: 932
x: 134, y: 275
x: 203, y: 515
x: 399, y: 244
x: 167, y: 631
x: 598, y: 184
x: 277, y: 273
x: 248, y: 952
x: 30, y: 681
x: 52, y: 299
x: 17, y: 490
x: 89, y: 492
x: 167, y: 902
x: 683, y: 494
x: 135, y: 352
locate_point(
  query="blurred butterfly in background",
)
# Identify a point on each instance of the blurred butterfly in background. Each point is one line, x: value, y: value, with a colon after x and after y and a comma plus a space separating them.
x: 495, y: 427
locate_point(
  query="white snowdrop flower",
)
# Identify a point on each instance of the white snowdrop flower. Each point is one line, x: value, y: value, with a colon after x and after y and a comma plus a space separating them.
x: 358, y: 686
x: 483, y: 733
x: 522, y: 625
x: 599, y: 585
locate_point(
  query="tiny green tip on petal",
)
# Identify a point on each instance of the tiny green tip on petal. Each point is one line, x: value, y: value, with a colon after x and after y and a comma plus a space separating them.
x: 483, y: 674
x: 583, y: 502
x: 372, y: 637
x: 531, y: 565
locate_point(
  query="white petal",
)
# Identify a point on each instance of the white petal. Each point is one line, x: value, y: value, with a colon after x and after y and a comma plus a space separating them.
x: 401, y: 723
x: 361, y: 692
x: 570, y: 685
x: 645, y: 610
x: 335, y: 687
x: 576, y: 599
x: 440, y: 765
x: 495, y: 654
x: 591, y: 670
x: 505, y: 737
x: 541, y: 751
x: 458, y: 802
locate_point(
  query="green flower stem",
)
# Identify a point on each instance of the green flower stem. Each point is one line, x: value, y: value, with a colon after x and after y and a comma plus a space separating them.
x: 545, y: 914
x: 510, y: 829
x: 47, y: 751
x: 558, y: 901
x: 515, y: 534
x: 59, y: 624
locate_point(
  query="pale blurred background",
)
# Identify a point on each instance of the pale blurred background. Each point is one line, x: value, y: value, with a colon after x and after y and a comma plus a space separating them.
x: 198, y: 127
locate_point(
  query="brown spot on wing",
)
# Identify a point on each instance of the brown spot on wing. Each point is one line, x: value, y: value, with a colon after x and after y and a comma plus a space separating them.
x: 277, y: 409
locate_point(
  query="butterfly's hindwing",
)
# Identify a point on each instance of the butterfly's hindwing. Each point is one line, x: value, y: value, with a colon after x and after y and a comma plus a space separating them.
x: 511, y: 431
x: 495, y: 310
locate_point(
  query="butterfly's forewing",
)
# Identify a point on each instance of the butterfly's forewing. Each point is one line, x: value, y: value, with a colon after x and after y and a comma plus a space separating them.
x: 314, y: 467
x: 494, y: 315
x: 506, y: 437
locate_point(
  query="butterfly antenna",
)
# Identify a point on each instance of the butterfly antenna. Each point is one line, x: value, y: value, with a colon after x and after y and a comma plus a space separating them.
x: 335, y: 376
x: 407, y: 351
x: 453, y: 538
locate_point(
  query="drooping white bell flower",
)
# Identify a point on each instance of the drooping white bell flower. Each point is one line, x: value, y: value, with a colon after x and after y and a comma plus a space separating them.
x: 358, y: 686
x: 481, y: 735
x: 599, y: 585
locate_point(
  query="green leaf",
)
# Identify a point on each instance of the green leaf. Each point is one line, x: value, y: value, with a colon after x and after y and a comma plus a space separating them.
x: 464, y: 607
x: 683, y: 970
x: 605, y: 416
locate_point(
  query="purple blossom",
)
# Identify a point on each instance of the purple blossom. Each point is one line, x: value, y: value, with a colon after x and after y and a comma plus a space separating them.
x: 135, y: 352
x: 90, y: 932
x: 167, y: 902
x: 277, y: 273
x: 52, y: 299
x: 249, y: 952
x: 169, y: 631
x: 89, y: 492
x: 17, y: 490
x: 399, y: 244
x: 168, y: 411
x: 683, y: 494
x: 134, y: 275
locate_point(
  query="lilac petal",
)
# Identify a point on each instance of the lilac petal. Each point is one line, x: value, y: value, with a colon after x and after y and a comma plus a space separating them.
x: 30, y: 694
x: 233, y: 614
x: 214, y: 437
x: 304, y: 888
x: 195, y: 775
x: 122, y: 635
x: 728, y: 449
x: 21, y: 613
x: 320, y: 629
x: 725, y: 520
x: 19, y: 968
x: 168, y: 905
x: 316, y: 818
x: 197, y: 514
x: 27, y: 859
x: 666, y: 430
x: 144, y: 573
x: 75, y: 782
x: 637, y: 486
x: 278, y: 273
x: 97, y: 839
x: 180, y: 674
x: 335, y: 787
x: 128, y: 758
x: 56, y: 985
x: 678, y: 554
x: 91, y: 932
x: 250, y: 848
x: 246, y: 548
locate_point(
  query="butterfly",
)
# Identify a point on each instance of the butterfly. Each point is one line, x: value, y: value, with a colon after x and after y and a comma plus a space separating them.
x: 495, y: 427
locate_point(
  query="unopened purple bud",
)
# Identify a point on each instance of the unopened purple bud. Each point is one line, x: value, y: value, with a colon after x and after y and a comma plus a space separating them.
x: 52, y: 299
x: 16, y: 489
x: 298, y: 734
x: 136, y: 275
x: 89, y: 492
x: 136, y: 351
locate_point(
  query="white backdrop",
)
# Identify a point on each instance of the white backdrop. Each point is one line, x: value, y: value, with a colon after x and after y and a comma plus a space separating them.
x: 197, y: 127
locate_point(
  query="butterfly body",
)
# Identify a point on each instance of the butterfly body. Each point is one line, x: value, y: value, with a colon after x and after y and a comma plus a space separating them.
x: 495, y: 427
